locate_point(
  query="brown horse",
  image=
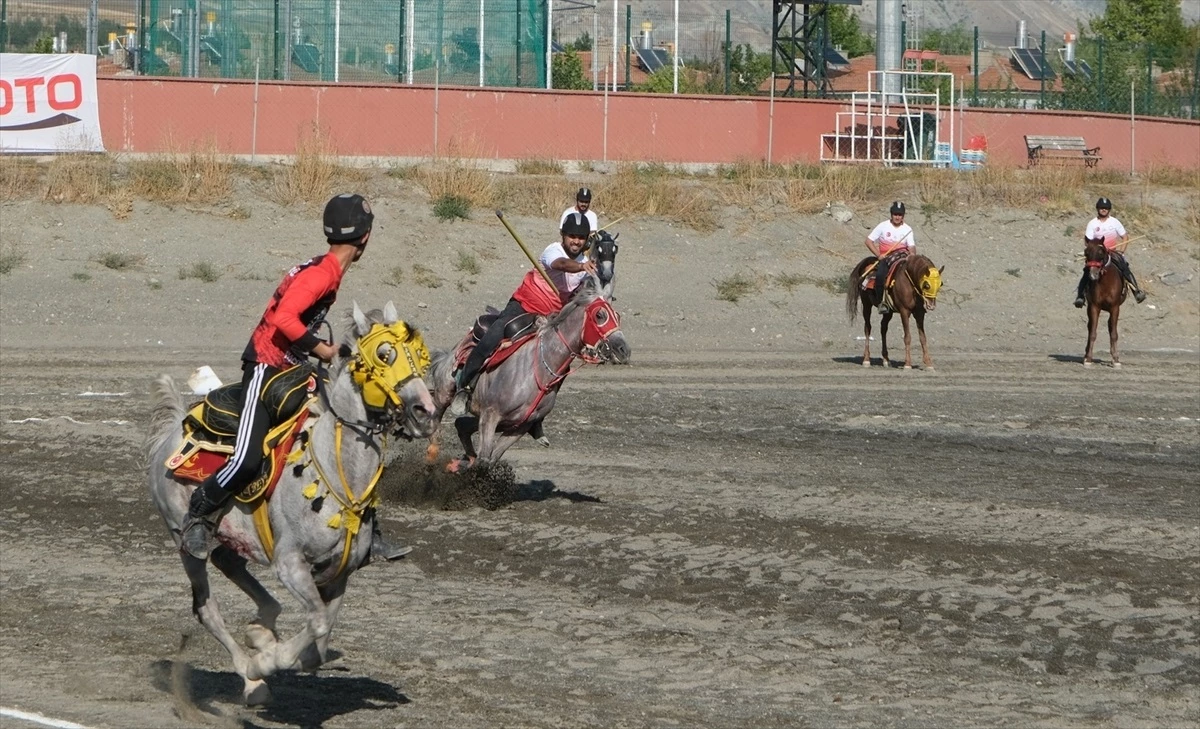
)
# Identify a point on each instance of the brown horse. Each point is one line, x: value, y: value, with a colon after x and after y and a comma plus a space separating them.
x: 1104, y: 290
x: 914, y: 291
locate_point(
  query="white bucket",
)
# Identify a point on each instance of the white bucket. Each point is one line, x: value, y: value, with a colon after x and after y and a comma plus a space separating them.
x: 203, y: 381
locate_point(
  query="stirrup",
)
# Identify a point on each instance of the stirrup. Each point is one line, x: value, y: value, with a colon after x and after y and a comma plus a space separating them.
x: 195, y: 536
x: 458, y: 406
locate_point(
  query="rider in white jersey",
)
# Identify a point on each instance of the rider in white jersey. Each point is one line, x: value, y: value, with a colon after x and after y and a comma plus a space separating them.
x: 1105, y: 226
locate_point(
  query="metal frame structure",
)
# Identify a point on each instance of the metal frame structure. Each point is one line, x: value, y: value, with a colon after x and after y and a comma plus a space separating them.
x: 800, y: 48
x: 889, y: 127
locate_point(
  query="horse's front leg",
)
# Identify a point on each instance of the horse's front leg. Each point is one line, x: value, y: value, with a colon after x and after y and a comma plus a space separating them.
x: 884, y: 320
x: 866, y: 312
x: 261, y: 631
x: 204, y: 606
x: 293, y: 571
x: 926, y: 360
x: 1113, y: 314
x: 493, y: 444
x: 1093, y: 324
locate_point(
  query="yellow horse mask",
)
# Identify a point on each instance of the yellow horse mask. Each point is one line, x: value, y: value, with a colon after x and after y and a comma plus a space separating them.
x: 389, y: 355
x: 930, y: 283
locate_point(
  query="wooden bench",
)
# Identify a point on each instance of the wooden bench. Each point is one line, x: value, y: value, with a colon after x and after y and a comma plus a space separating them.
x: 1042, y: 148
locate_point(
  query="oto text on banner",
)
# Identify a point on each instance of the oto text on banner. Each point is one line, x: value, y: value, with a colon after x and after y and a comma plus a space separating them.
x: 48, y: 103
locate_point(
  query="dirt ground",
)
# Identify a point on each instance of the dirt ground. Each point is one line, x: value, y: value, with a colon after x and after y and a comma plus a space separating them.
x: 743, y: 528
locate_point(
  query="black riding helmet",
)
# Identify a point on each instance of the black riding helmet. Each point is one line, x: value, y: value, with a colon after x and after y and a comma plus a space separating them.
x: 347, y: 218
x: 577, y: 225
x: 1104, y: 203
x: 584, y: 195
x: 897, y: 208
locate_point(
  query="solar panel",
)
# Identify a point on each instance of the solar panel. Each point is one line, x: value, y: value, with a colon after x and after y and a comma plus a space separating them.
x: 556, y: 47
x: 664, y: 58
x: 835, y: 59
x: 1077, y: 68
x: 1030, y: 62
x: 650, y: 58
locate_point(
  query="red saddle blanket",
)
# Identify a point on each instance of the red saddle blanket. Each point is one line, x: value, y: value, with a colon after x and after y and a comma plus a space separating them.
x: 868, y: 276
x: 197, y: 459
x: 504, y: 350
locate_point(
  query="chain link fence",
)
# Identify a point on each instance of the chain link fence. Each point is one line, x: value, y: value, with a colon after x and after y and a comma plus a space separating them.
x: 1094, y: 74
x: 723, y: 46
x: 472, y: 42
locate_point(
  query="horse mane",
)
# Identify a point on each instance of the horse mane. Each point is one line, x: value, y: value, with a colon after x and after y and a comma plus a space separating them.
x: 584, y: 295
x: 918, y: 262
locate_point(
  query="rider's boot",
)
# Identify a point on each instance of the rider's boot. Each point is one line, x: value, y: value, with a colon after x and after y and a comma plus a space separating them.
x: 1138, y: 294
x: 462, y: 398
x: 1079, y: 292
x: 196, y: 532
x: 381, y: 548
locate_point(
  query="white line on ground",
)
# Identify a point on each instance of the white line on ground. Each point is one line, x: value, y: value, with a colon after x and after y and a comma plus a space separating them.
x: 67, y: 418
x: 39, y: 719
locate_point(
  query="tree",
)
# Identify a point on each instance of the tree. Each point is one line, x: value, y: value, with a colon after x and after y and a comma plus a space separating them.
x: 582, y: 43
x: 1158, y: 22
x: 953, y: 41
x: 845, y: 33
x: 567, y: 70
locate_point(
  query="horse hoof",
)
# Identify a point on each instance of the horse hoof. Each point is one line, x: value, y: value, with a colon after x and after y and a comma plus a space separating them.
x: 259, y: 637
x: 1087, y: 363
x: 545, y: 442
x: 908, y: 367
x: 866, y: 362
x: 256, y: 693
x: 1116, y: 365
x: 885, y: 363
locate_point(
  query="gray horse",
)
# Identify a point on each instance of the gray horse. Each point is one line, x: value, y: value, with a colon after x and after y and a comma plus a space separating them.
x: 514, y: 397
x: 321, y: 513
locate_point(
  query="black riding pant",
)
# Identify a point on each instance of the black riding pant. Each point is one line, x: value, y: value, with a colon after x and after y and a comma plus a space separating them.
x: 491, y: 339
x: 246, y: 462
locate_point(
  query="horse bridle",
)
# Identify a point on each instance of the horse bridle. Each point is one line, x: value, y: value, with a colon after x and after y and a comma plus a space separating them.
x: 384, y: 378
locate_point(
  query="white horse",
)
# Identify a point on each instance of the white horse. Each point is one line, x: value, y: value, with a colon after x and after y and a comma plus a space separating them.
x: 321, y: 513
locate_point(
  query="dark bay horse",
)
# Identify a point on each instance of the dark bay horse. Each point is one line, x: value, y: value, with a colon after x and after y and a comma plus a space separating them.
x: 1104, y: 290
x: 513, y: 398
x: 914, y: 291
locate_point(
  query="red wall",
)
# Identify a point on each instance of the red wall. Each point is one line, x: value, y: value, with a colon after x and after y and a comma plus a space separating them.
x: 149, y: 115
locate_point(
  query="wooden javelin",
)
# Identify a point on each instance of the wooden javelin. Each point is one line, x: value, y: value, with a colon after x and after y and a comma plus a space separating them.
x: 536, y: 263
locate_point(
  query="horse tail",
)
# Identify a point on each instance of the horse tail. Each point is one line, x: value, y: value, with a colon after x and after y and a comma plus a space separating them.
x: 440, y: 377
x: 165, y: 415
x: 854, y: 286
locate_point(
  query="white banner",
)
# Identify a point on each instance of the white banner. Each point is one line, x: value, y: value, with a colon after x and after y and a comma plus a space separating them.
x: 48, y: 103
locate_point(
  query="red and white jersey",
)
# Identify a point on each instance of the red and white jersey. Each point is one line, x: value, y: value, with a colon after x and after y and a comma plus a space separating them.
x: 891, y: 237
x: 1109, y: 229
x: 536, y: 296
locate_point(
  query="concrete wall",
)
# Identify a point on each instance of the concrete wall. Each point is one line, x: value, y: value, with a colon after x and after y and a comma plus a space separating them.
x: 150, y: 115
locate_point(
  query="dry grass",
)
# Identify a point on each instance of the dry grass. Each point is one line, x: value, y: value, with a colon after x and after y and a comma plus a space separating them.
x: 733, y: 288
x: 751, y: 184
x: 652, y: 190
x: 539, y: 167
x: 540, y: 196
x: 79, y: 178
x: 938, y: 191
x: 314, y: 171
x: 19, y: 178
x: 809, y: 189
x: 201, y: 174
x: 447, y: 178
x: 1173, y: 177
